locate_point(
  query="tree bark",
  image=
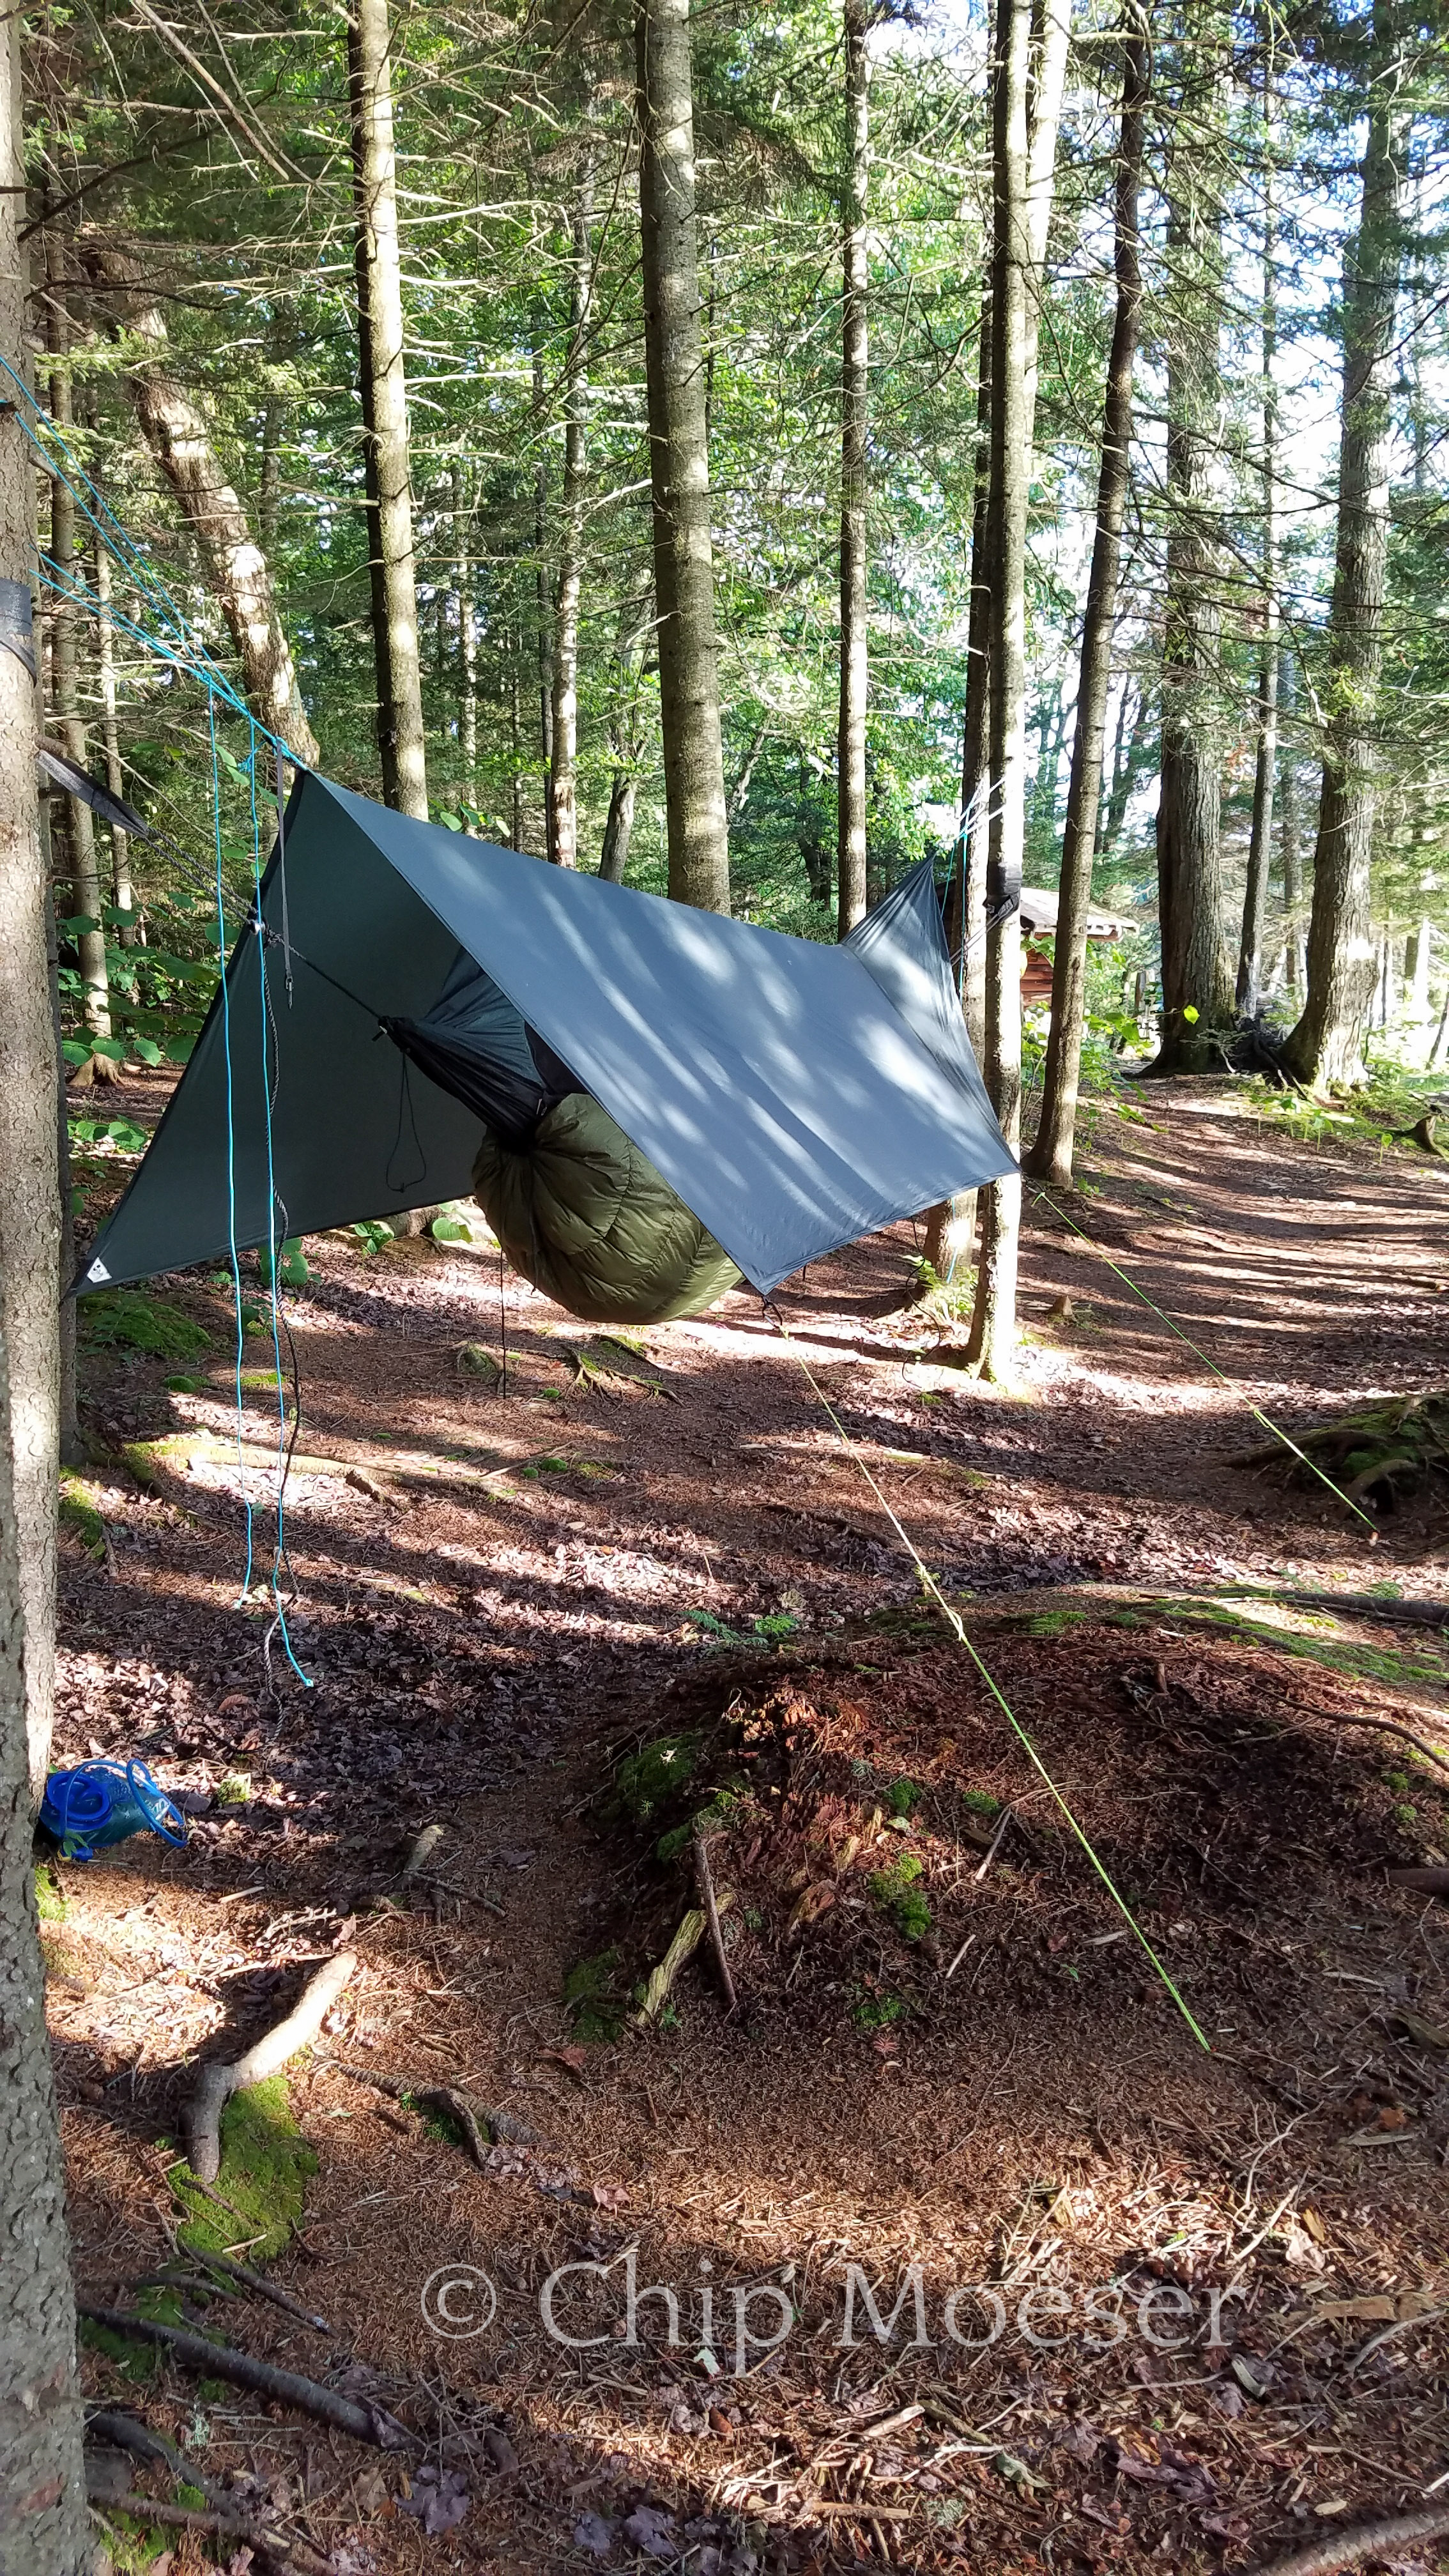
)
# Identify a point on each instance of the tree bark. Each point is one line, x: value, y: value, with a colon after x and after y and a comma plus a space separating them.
x: 29, y: 1072
x: 1195, y: 972
x: 543, y: 623
x: 679, y: 462
x: 1288, y: 831
x: 180, y: 441
x: 1051, y: 1156
x: 467, y: 638
x: 854, y: 426
x: 618, y: 827
x: 563, y: 780
x: 85, y: 889
x: 1327, y: 1044
x: 1260, y: 837
x: 1023, y: 164
x: 385, y: 408
x: 43, y: 2523
x: 115, y: 777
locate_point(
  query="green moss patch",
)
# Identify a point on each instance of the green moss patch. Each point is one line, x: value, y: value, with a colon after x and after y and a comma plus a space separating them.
x: 654, y: 1777
x: 79, y: 1514
x: 265, y: 2166
x: 895, y: 1891
x: 593, y: 1998
x: 122, y: 1318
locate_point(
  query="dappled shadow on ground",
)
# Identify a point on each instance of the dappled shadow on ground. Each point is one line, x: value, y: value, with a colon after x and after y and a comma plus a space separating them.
x: 1005, y: 2095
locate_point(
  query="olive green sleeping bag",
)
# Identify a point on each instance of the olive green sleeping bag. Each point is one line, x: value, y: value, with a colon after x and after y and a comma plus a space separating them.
x: 587, y: 1217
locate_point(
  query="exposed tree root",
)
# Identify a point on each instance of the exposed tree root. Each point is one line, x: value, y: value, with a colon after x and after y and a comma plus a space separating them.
x: 269, y: 2055
x: 221, y: 2361
x: 1353, y: 2548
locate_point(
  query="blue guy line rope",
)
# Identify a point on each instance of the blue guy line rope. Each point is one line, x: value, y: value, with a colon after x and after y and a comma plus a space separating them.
x: 184, y: 652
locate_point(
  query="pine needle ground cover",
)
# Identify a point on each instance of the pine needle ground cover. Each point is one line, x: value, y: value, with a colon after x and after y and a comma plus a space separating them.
x: 949, y: 2050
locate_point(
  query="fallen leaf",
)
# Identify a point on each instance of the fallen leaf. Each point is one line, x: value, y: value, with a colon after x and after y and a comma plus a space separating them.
x: 500, y: 2450
x: 1427, y: 2033
x: 610, y: 2195
x: 575, y: 2059
x: 653, y: 2530
x: 439, y: 2500
x: 812, y: 1902
x: 591, y: 2532
x: 1315, y: 2226
x: 1373, y: 2308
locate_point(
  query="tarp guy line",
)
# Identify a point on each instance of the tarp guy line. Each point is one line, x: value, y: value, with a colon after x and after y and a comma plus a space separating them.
x: 957, y: 1626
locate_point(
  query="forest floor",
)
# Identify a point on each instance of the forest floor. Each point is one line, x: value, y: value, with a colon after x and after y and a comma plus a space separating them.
x: 1202, y: 2290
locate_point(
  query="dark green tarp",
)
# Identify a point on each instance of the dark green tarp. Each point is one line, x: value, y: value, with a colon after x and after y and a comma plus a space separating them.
x: 794, y: 1095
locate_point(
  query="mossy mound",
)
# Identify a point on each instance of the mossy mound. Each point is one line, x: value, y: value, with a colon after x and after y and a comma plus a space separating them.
x: 79, y: 1514
x: 121, y: 1317
x: 265, y: 2166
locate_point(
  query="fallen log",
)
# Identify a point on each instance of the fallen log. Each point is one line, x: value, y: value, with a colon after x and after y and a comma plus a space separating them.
x: 202, y: 2116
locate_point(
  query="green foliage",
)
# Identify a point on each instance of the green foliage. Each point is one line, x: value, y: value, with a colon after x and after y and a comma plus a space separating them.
x: 903, y: 1797
x: 654, y: 1776
x: 769, y: 1630
x: 373, y: 1233
x: 122, y: 1317
x: 183, y: 1385
x: 981, y: 1803
x: 876, y: 2011
x: 121, y: 1135
x: 291, y: 1267
x: 895, y: 1891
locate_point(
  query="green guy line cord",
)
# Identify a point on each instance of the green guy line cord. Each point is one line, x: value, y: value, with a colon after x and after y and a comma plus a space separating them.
x: 958, y: 1628
x: 1045, y: 1199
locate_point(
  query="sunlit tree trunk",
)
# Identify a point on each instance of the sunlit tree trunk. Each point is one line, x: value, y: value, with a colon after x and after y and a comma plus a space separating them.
x: 1051, y: 1157
x: 1289, y: 828
x: 179, y: 439
x: 29, y: 1073
x: 1260, y: 837
x: 1026, y: 114
x: 385, y: 406
x: 563, y: 782
x: 1327, y: 1044
x: 1197, y: 995
x: 679, y: 462
x: 854, y: 424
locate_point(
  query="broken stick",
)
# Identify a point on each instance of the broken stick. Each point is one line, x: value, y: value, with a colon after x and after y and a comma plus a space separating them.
x: 216, y: 2084
x: 706, y: 1889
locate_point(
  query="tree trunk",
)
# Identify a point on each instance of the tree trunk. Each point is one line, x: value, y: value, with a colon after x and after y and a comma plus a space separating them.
x: 29, y: 1075
x: 44, y: 2528
x: 467, y: 640
x: 679, y: 462
x: 383, y: 379
x: 1024, y: 133
x: 1260, y: 837
x: 85, y: 890
x: 115, y: 776
x: 1288, y: 832
x: 177, y: 436
x: 854, y: 424
x: 1051, y: 1156
x: 1327, y: 1044
x: 618, y: 827
x: 563, y: 783
x: 269, y: 482
x: 543, y: 623
x: 1197, y: 993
